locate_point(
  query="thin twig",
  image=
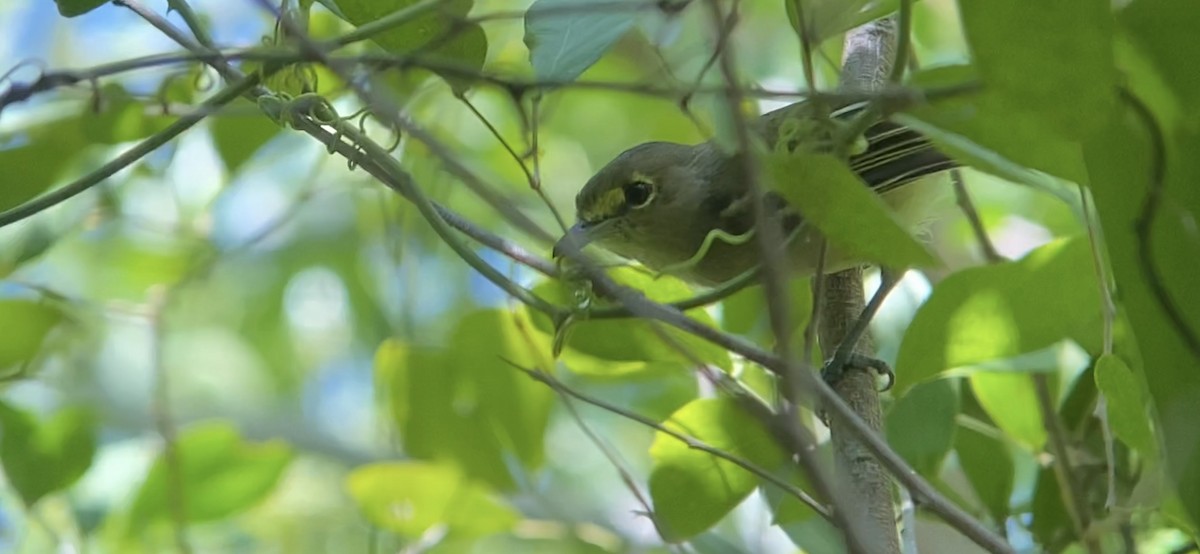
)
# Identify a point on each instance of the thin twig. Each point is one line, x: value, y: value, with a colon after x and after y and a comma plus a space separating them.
x: 1072, y: 496
x: 691, y: 442
x: 990, y: 255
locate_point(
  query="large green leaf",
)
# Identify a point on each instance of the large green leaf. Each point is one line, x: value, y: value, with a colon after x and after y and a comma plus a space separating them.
x: 920, y: 426
x: 1165, y: 30
x: 565, y: 37
x: 692, y: 490
x: 989, y: 466
x: 44, y: 456
x: 983, y: 131
x: 465, y: 403
x: 1003, y: 310
x: 1155, y: 275
x: 218, y: 472
x: 855, y: 220
x: 1011, y: 401
x: 1054, y: 59
x: 26, y: 324
x: 1126, y: 404
x: 408, y: 498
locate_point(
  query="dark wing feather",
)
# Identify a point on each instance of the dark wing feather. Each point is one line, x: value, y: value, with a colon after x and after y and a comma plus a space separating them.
x: 897, y: 155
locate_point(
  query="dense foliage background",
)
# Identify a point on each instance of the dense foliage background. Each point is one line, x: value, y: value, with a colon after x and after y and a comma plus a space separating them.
x: 230, y: 337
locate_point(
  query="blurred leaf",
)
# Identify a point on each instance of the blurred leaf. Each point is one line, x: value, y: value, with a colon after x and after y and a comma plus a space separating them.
x: 1001, y: 310
x: 220, y: 475
x: 1165, y: 31
x: 565, y: 37
x: 41, y: 457
x: 126, y: 266
x: 34, y: 164
x: 632, y: 340
x: 1126, y: 405
x: 1011, y: 401
x: 72, y: 8
x: 988, y: 465
x: 466, y: 404
x: 825, y: 19
x: 20, y: 244
x: 982, y: 131
x: 237, y: 139
x: 815, y: 534
x: 1053, y: 59
x: 692, y: 490
x: 437, y: 35
x: 408, y: 498
x: 121, y: 118
x: 391, y: 379
x: 921, y: 426
x: 855, y: 220
x: 746, y: 313
x: 26, y: 324
x: 515, y: 543
x: 1050, y: 526
x: 1122, y: 178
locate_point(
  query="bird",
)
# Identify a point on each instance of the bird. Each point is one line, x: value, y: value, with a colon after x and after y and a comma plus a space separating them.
x: 686, y: 209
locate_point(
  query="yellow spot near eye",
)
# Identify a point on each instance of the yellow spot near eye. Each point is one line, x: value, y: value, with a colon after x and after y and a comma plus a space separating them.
x: 604, y: 206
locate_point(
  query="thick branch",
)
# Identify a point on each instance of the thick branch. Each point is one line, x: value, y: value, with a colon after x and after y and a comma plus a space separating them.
x: 867, y: 63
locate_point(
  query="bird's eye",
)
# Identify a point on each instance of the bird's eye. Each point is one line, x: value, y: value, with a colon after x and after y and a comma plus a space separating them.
x: 638, y: 194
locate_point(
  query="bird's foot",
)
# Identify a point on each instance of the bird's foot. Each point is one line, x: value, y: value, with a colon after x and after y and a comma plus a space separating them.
x: 835, y: 369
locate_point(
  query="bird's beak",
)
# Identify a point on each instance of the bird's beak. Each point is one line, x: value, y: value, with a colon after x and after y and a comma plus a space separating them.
x: 576, y: 238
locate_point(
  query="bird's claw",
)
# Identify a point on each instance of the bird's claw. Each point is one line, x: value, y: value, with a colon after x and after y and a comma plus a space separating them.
x: 834, y: 370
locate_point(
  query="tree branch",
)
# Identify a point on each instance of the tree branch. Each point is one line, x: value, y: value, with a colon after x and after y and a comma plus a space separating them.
x: 866, y: 65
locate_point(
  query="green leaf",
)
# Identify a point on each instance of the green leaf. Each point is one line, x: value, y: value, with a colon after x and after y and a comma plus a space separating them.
x: 855, y: 220
x: 238, y: 138
x: 989, y: 466
x: 1127, y: 406
x: 1054, y: 59
x: 220, y: 474
x: 825, y: 19
x: 464, y: 403
x: 436, y: 36
x: 36, y: 164
x: 26, y: 324
x: 512, y: 542
x: 1003, y: 310
x: 1011, y: 401
x: 745, y: 312
x: 72, y: 8
x: 1165, y: 31
x: 565, y: 37
x: 1051, y: 526
x: 1121, y: 168
x: 121, y: 118
x: 41, y: 457
x: 920, y: 426
x: 408, y: 498
x: 692, y: 490
x: 983, y: 132
x: 631, y: 340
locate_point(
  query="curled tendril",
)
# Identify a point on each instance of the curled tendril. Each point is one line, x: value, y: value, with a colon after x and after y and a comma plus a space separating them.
x: 396, y: 136
x: 709, y: 239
